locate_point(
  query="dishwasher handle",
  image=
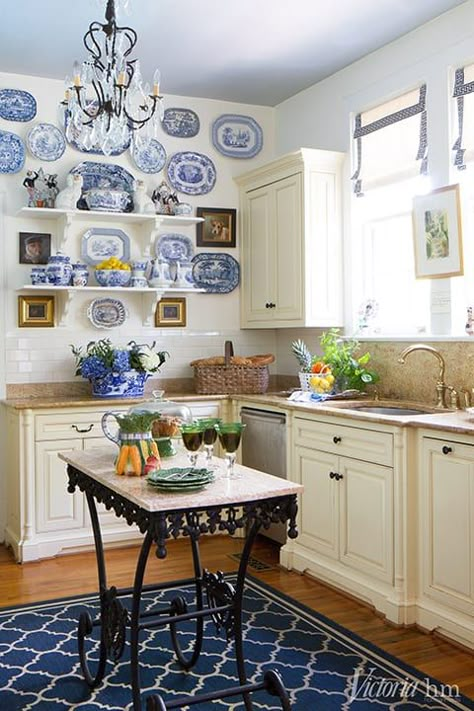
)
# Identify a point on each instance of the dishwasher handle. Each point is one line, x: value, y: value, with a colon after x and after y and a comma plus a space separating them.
x: 262, y: 415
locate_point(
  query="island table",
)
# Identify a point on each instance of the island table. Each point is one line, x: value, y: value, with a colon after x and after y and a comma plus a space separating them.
x: 251, y: 501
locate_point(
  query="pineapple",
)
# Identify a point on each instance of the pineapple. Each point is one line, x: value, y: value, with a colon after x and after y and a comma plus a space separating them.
x: 303, y: 356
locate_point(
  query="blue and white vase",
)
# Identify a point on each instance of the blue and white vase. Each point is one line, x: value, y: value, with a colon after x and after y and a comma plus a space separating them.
x: 38, y: 275
x: 80, y: 274
x: 130, y: 383
x: 59, y: 270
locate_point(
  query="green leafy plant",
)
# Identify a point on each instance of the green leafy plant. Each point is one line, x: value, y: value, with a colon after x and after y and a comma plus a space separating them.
x: 349, y: 370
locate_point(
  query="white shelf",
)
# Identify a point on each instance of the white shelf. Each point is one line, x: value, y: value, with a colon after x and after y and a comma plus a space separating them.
x: 150, y: 223
x: 150, y: 297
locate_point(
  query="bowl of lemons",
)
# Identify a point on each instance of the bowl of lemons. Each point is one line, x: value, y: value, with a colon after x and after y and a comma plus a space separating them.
x: 321, y: 380
x: 113, y: 272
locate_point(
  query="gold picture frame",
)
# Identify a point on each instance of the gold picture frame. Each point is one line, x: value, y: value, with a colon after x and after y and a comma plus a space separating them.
x: 36, y: 311
x: 171, y: 311
x: 437, y: 234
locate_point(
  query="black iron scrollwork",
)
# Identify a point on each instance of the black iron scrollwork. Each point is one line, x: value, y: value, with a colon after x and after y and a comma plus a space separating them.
x: 220, y: 592
x: 114, y: 620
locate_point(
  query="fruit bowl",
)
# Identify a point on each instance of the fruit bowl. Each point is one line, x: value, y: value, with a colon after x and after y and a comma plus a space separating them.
x: 113, y: 277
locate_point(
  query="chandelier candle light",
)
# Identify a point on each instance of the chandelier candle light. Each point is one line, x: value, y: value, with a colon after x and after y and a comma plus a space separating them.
x: 108, y: 103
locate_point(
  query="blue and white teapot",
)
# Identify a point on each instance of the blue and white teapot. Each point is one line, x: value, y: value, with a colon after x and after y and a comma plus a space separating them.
x: 59, y: 270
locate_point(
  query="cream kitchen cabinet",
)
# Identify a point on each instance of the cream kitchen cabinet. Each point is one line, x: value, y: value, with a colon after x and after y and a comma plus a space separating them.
x: 446, y: 535
x: 43, y: 519
x: 290, y: 231
x: 349, y: 512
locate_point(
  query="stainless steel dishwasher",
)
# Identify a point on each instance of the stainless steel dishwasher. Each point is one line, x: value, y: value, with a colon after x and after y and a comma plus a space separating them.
x: 264, y: 448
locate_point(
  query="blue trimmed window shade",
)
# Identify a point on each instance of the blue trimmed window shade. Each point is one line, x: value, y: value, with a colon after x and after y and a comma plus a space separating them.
x: 464, y: 94
x: 391, y: 142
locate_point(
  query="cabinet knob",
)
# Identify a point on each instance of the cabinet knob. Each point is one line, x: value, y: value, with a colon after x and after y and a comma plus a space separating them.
x: 271, y: 305
x: 447, y: 450
x: 332, y: 475
x: 267, y: 305
x: 336, y: 440
x: 339, y: 477
x: 82, y: 431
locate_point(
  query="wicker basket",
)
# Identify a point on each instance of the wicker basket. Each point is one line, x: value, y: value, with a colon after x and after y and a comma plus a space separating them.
x: 304, y: 380
x: 231, y: 379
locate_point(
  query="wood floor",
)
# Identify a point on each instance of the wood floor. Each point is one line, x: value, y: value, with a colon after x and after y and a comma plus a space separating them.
x: 76, y: 574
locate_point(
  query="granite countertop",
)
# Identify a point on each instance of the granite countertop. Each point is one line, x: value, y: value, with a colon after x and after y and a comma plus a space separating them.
x: 61, y: 401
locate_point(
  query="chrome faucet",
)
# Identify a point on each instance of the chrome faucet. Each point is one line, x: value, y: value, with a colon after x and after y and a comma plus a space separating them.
x: 441, y: 386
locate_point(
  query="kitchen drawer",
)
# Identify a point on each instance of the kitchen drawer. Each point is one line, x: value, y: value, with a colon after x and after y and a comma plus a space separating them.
x: 61, y: 425
x: 367, y: 445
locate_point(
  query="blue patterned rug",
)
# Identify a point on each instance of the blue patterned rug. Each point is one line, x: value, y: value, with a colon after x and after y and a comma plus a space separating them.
x: 325, y: 667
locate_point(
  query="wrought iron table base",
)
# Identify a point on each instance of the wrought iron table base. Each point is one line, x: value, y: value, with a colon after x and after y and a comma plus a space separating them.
x: 223, y: 600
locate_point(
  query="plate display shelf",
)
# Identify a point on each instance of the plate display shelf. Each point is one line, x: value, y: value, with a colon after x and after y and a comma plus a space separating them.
x: 150, y: 226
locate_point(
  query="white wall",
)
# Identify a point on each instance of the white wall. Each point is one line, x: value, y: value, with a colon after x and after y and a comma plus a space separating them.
x: 42, y: 355
x: 320, y: 116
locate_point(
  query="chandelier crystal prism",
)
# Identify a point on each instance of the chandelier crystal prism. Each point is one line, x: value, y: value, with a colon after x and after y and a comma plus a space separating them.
x: 108, y: 104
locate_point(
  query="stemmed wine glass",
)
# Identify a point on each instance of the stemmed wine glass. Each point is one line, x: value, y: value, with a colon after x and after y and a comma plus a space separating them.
x: 209, y: 438
x: 192, y: 435
x: 229, y: 437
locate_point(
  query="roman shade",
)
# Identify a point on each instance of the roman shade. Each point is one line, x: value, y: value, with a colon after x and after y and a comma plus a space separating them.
x: 464, y: 94
x: 391, y: 141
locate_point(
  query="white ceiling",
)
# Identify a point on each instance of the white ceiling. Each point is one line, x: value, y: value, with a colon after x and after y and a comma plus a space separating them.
x: 249, y: 51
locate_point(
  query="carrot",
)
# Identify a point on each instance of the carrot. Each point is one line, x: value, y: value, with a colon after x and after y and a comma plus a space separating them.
x: 135, y: 460
x: 122, y: 459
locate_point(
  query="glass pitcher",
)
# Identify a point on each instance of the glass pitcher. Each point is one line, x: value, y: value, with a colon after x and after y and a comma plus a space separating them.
x: 135, y: 442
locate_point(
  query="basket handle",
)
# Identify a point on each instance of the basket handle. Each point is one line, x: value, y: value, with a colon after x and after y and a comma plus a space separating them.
x: 228, y: 352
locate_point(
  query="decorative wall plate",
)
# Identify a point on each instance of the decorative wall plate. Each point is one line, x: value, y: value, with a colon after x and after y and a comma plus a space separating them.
x: 99, y: 243
x: 12, y: 152
x: 174, y: 247
x: 73, y: 136
x: 183, y: 123
x: 17, y: 105
x: 237, y: 136
x: 191, y: 173
x: 216, y: 273
x: 104, y: 175
x: 107, y: 313
x: 149, y: 157
x: 46, y: 141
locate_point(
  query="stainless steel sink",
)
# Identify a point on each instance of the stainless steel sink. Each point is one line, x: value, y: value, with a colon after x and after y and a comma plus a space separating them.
x: 398, y: 411
x: 385, y: 407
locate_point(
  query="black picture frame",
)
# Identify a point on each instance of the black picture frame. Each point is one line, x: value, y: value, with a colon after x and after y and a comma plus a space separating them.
x: 218, y: 228
x: 34, y: 247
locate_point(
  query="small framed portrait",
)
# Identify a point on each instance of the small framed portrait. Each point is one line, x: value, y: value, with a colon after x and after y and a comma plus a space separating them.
x: 35, y: 311
x: 218, y: 227
x: 35, y: 247
x: 171, y: 311
x: 437, y: 234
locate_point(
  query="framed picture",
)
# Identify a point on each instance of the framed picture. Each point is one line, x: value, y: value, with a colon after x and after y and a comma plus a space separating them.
x: 35, y: 247
x: 35, y: 311
x: 171, y: 311
x: 218, y: 228
x: 437, y: 234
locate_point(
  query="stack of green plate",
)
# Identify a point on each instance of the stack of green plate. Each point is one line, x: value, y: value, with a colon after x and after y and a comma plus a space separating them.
x: 180, y: 478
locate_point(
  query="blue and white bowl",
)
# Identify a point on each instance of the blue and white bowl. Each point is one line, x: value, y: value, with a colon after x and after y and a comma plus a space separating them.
x: 113, y: 277
x: 38, y: 275
x: 107, y: 200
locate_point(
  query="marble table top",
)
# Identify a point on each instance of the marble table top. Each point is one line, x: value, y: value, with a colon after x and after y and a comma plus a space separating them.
x: 252, y: 485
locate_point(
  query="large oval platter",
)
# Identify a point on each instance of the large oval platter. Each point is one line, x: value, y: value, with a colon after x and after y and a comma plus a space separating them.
x: 17, y: 105
x: 216, y: 273
x: 183, y: 123
x: 174, y: 247
x: 191, y: 173
x: 237, y: 136
x: 12, y: 152
x: 107, y: 313
x: 110, y: 175
x: 149, y: 156
x: 46, y: 141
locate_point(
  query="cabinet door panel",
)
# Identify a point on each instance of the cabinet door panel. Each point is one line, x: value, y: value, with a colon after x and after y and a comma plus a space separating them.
x: 56, y: 509
x: 257, y: 255
x: 366, y: 502
x: 107, y: 518
x: 319, y: 506
x: 287, y: 244
x: 447, y: 501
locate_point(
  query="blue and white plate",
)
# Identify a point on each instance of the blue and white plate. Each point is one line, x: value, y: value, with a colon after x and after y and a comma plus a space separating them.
x: 149, y: 156
x: 216, y: 273
x: 107, y: 313
x: 183, y: 123
x: 46, y: 141
x: 174, y: 247
x: 191, y: 173
x: 12, y: 152
x: 104, y: 175
x: 17, y: 105
x: 73, y: 136
x: 237, y: 136
x: 100, y: 243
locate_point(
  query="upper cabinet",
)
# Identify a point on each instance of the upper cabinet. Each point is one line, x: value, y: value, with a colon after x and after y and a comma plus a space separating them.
x: 291, y: 241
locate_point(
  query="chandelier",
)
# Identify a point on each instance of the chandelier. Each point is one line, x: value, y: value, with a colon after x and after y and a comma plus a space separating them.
x: 108, y: 104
